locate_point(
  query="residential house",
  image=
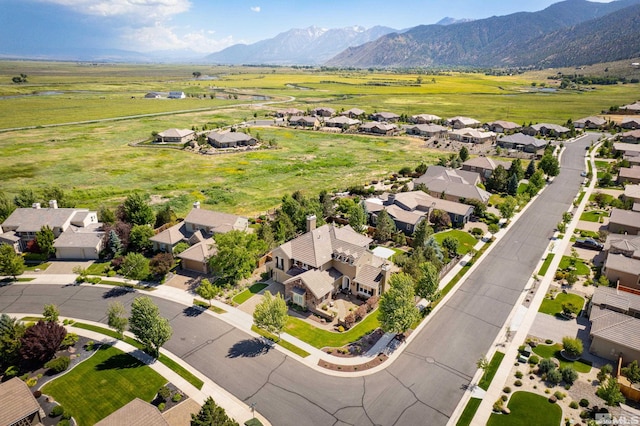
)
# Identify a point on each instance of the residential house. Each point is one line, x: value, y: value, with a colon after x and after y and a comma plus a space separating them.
x: 424, y: 118
x: 179, y: 136
x: 624, y: 222
x: 230, y: 139
x: 546, y: 129
x: 614, y: 335
x: 77, y: 229
x: 176, y: 95
x: 618, y: 300
x: 135, y: 413
x: 632, y: 136
x: 484, y: 166
x: 627, y: 149
x: 389, y: 117
x: 630, y: 123
x: 632, y: 192
x: 460, y: 122
x: 452, y: 185
x: 592, y: 122
x: 153, y: 95
x: 503, y: 126
x: 354, y: 113
x: 376, y: 128
x: 427, y: 130
x: 343, y: 122
x: 622, y: 270
x: 289, y: 112
x: 316, y: 265
x: 19, y: 407
x: 521, y: 142
x: 408, y: 209
x: 628, y: 245
x: 633, y: 108
x: 323, y: 112
x: 196, y: 258
x: 304, y: 121
x: 469, y: 135
x: 11, y: 239
x: 628, y: 175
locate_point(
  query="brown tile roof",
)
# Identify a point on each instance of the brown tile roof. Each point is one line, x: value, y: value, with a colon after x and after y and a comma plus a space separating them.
x: 421, y: 201
x: 172, y: 235
x: 17, y: 401
x: 453, y: 182
x: 135, y: 413
x: 622, y: 300
x: 369, y: 275
x: 624, y: 217
x: 175, y: 133
x: 508, y: 125
x: 632, y: 172
x: 218, y: 222
x: 622, y: 263
x: 486, y: 163
x: 632, y: 191
x: 467, y: 121
x: 627, y: 148
x: 598, y: 121
x: 615, y: 327
x: 200, y: 252
x: 354, y: 111
x: 319, y: 282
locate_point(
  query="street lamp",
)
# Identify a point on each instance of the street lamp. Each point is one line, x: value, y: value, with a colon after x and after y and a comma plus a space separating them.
x: 253, y: 409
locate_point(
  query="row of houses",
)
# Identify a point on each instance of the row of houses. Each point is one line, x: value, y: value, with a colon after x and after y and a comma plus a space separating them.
x: 217, y: 139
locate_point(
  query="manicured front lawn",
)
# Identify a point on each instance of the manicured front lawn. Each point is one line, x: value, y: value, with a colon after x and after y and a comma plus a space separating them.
x: 528, y: 409
x: 469, y: 412
x: 581, y: 267
x: 246, y: 294
x: 323, y: 338
x: 98, y: 268
x: 552, y: 307
x: 466, y: 241
x: 593, y: 216
x: 102, y: 384
x: 40, y: 266
x: 487, y: 377
x: 545, y: 265
x: 553, y: 351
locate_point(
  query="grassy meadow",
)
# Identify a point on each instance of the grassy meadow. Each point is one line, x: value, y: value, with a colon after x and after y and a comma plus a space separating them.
x: 95, y: 165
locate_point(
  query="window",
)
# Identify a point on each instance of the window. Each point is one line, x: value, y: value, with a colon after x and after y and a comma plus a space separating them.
x: 298, y: 299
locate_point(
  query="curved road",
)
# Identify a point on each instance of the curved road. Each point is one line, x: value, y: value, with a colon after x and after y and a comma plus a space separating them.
x: 424, y: 384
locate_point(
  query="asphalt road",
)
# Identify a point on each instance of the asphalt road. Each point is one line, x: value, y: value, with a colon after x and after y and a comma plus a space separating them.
x: 422, y: 387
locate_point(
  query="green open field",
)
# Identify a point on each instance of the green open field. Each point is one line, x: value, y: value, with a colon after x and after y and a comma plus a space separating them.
x: 95, y: 165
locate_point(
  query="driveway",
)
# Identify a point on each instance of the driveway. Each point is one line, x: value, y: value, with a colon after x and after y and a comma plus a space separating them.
x: 66, y: 266
x: 250, y: 305
x: 549, y: 327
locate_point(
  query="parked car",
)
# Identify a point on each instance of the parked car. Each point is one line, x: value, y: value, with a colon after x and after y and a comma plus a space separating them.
x: 589, y: 243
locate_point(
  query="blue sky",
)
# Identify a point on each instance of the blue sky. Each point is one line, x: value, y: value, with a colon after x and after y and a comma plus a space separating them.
x: 207, y: 26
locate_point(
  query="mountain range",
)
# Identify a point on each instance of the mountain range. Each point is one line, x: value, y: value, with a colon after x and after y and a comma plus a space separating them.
x: 569, y: 33
x: 306, y: 46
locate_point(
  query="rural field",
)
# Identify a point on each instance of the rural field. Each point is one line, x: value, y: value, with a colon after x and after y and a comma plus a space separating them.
x: 95, y: 165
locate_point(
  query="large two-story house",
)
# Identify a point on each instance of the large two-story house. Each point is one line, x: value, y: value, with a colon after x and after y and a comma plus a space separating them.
x: 316, y: 265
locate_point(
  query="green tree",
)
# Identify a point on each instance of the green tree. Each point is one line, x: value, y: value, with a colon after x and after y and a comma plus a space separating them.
x: 51, y: 313
x: 148, y: 326
x: 135, y: 266
x: 463, y: 154
x: 421, y: 233
x: 6, y: 206
x: 610, y: 392
x: 357, y: 217
x: 632, y: 372
x: 212, y: 414
x: 536, y: 182
x: 25, y: 198
x: 165, y: 216
x: 497, y: 182
x: 604, y: 372
x: 512, y: 185
x: 106, y: 215
x: 116, y: 317
x: 271, y: 313
x: 237, y: 255
x: 531, y: 169
x: 11, y: 263
x: 137, y: 211
x: 397, y: 310
x: 493, y: 228
x: 440, y: 220
x: 44, y: 240
x: 550, y: 165
x: 451, y: 245
x: 508, y: 207
x: 11, y: 331
x: 428, y: 281
x: 572, y: 346
x: 139, y: 238
x: 58, y: 194
x: 207, y: 291
x: 283, y: 227
x: 265, y: 233
x: 516, y: 169
x: 385, y: 227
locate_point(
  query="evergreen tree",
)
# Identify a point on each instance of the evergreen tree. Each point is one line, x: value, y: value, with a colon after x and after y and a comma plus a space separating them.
x: 531, y: 169
x: 6, y: 206
x: 512, y: 185
x: 357, y: 217
x: 44, y: 240
x: 463, y: 154
x: 385, y: 227
x: 497, y: 182
x: 421, y: 233
x: 114, y: 246
x: 136, y: 211
x: 516, y: 169
x: 212, y: 414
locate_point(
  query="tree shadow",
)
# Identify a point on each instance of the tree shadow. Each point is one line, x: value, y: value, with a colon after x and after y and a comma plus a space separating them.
x: 249, y: 348
x: 192, y: 311
x: 119, y: 362
x: 116, y: 292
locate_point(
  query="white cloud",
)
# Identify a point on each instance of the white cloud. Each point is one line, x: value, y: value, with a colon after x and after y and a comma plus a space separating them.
x: 255, y: 9
x: 161, y: 37
x: 147, y: 9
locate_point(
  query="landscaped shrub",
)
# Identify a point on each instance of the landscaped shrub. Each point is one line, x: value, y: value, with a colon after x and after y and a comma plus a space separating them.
x: 554, y: 376
x: 58, y: 365
x: 517, y: 383
x: 533, y: 359
x: 89, y: 345
x: 573, y: 405
x: 56, y: 411
x: 519, y: 374
x: 37, y: 394
x: 506, y: 389
x: 349, y: 320
x: 176, y: 397
x: 253, y: 422
x: 31, y: 381
x: 559, y: 395
x: 504, y: 397
x: 477, y: 232
x: 11, y: 371
x: 164, y: 393
x: 584, y: 402
x: 66, y: 415
x: 572, y: 347
x: 372, y: 302
x: 161, y: 406
x: 69, y: 340
x: 546, y: 365
x: 548, y: 341
x: 361, y: 312
x: 569, y: 375
x: 340, y: 329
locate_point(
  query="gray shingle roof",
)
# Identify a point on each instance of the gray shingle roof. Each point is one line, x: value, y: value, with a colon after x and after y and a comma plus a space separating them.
x: 522, y: 139
x: 71, y: 239
x: 620, y: 262
x: 625, y: 217
x: 621, y: 300
x: 319, y: 282
x: 200, y: 252
x: 632, y: 172
x: 217, y: 221
x: 32, y: 220
x: 229, y: 137
x: 486, y: 163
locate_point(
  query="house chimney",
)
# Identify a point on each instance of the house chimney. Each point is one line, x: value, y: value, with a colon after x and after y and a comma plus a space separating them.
x: 391, y: 199
x: 311, y: 222
x: 386, y: 276
x: 35, y: 205
x: 53, y: 204
x: 196, y: 205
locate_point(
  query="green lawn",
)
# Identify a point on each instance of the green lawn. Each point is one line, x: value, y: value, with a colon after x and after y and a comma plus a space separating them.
x: 593, y: 216
x: 41, y: 266
x: 553, y: 351
x: 552, y: 307
x: 242, y: 297
x: 466, y: 241
x: 323, y: 338
x: 102, y: 384
x: 98, y: 268
x: 487, y: 377
x: 528, y: 409
x: 545, y: 265
x: 469, y: 412
x: 581, y: 267
x: 587, y: 234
